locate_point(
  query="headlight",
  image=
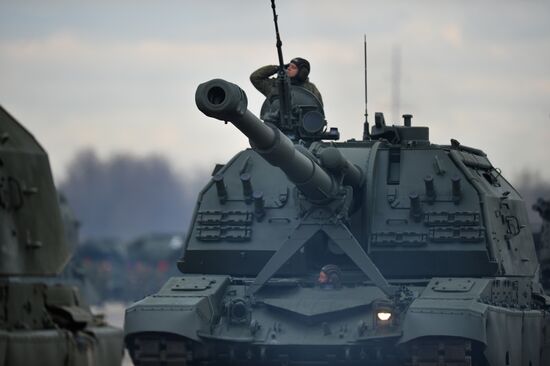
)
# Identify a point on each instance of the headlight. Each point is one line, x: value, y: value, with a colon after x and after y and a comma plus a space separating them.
x: 383, y: 315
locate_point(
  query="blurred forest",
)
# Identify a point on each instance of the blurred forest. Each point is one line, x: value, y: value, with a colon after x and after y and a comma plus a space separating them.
x: 126, y: 196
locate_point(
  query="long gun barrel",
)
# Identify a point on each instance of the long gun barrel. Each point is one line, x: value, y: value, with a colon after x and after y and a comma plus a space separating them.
x: 225, y: 101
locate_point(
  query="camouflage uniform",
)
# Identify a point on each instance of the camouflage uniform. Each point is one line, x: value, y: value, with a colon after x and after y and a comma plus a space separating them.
x: 262, y: 81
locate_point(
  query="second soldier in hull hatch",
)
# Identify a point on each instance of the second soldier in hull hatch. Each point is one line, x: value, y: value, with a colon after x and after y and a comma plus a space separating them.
x: 297, y: 70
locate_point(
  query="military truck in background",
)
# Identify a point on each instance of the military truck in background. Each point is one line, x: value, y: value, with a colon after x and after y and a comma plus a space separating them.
x: 43, y: 320
x: 114, y: 270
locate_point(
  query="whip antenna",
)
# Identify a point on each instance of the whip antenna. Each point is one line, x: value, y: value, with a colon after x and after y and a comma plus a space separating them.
x: 283, y: 82
x: 279, y: 43
x: 366, y: 133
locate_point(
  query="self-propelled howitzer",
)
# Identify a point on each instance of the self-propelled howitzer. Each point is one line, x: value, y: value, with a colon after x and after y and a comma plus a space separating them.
x: 44, y: 319
x: 428, y: 245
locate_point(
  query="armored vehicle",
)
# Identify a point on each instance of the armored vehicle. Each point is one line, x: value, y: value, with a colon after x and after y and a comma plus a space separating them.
x: 41, y: 322
x: 386, y: 250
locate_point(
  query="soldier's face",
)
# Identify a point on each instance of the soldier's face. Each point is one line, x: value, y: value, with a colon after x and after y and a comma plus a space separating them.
x: 291, y: 70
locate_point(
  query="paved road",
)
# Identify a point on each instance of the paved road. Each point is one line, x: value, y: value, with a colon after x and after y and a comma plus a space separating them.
x: 114, y: 315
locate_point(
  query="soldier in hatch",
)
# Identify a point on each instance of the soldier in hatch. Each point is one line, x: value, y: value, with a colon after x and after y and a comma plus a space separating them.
x: 330, y: 277
x: 297, y: 70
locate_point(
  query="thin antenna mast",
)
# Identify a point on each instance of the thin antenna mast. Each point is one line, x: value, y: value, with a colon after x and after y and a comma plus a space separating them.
x: 279, y: 43
x: 283, y: 83
x: 366, y: 133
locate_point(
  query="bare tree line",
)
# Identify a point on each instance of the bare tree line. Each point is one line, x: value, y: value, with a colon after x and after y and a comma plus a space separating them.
x: 126, y: 196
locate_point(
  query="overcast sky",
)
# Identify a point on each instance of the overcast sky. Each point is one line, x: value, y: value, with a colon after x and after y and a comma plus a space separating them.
x: 120, y: 76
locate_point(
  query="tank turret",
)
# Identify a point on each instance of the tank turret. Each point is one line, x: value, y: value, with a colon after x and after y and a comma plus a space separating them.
x: 44, y: 320
x: 33, y: 240
x: 227, y: 102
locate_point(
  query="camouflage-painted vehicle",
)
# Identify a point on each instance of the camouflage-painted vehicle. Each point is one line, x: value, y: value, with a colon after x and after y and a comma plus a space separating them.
x: 387, y: 250
x: 41, y: 322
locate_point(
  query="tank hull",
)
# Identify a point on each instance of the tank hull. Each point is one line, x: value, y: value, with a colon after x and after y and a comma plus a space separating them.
x: 456, y: 321
x: 48, y: 324
x: 95, y: 346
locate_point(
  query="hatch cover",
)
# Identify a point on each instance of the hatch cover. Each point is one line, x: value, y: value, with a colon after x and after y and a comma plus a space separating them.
x: 453, y: 285
x: 193, y: 284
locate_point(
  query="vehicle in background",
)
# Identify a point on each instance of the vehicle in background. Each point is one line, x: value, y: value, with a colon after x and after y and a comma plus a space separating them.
x: 44, y: 320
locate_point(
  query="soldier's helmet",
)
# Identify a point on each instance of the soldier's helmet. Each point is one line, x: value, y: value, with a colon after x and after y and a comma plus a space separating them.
x: 330, y: 275
x: 303, y: 68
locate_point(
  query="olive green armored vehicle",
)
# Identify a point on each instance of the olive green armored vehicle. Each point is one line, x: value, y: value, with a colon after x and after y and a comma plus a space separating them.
x: 385, y: 250
x: 42, y: 322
